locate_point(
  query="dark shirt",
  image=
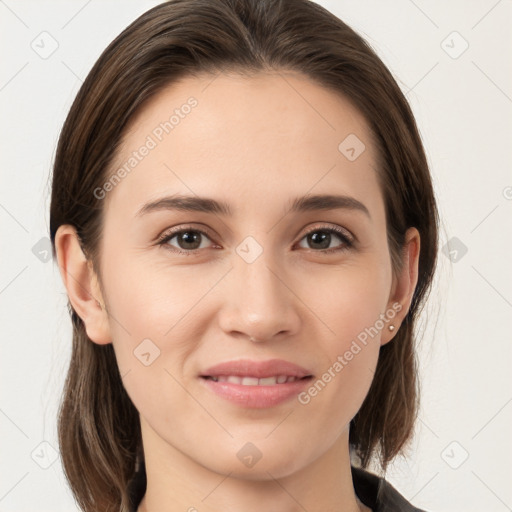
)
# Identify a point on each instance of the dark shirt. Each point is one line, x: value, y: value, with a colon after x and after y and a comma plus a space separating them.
x: 375, y: 492
x: 378, y: 494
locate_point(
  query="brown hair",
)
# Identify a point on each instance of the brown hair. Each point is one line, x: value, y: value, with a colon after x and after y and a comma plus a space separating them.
x: 99, y: 429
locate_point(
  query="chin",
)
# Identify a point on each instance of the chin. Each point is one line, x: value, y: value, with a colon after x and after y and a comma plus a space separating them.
x: 254, y: 461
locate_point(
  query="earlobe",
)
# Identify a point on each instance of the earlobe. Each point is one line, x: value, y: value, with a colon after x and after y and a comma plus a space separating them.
x: 82, y: 285
x: 403, y: 285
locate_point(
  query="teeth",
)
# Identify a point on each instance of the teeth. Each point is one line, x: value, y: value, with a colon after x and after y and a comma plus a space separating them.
x: 249, y: 381
x: 254, y: 381
x: 268, y: 381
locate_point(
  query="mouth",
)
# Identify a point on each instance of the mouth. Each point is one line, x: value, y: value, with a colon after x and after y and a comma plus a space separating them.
x: 255, y: 393
x: 256, y: 384
x: 256, y: 381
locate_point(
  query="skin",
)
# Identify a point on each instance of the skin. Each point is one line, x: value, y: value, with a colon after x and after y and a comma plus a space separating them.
x: 255, y: 143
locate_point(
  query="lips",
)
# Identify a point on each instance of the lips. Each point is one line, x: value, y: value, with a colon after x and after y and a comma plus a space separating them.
x: 256, y: 384
x: 252, y: 373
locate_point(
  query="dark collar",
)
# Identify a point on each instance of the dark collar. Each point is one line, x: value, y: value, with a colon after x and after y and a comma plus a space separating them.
x: 378, y: 494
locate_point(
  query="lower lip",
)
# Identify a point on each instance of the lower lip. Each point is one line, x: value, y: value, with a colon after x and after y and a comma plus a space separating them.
x: 257, y: 397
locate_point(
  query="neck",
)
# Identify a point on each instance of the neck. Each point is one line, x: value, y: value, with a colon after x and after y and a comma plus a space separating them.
x: 175, y: 483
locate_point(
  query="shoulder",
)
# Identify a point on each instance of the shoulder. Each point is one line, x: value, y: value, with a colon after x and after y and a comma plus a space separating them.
x: 378, y: 494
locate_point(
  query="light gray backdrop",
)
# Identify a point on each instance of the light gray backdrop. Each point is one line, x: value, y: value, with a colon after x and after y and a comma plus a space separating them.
x: 453, y: 61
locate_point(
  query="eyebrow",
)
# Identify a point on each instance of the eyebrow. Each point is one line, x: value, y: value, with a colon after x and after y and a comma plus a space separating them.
x: 317, y: 202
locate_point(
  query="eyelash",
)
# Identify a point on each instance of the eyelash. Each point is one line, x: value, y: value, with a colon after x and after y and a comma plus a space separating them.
x: 348, y: 244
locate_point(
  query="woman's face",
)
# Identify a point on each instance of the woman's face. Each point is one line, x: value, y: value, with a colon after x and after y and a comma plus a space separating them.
x: 187, y: 288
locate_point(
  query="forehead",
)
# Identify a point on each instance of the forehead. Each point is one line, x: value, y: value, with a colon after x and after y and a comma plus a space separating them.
x: 270, y: 136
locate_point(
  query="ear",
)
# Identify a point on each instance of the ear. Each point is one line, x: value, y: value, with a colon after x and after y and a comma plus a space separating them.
x: 82, y: 285
x: 404, y: 284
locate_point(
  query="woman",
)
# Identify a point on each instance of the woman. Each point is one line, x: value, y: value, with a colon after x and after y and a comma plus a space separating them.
x: 222, y: 361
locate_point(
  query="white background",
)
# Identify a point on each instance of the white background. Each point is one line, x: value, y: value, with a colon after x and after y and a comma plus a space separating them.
x: 463, y: 106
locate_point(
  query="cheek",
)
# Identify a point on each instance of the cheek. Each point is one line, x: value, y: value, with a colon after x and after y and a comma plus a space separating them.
x: 353, y: 306
x: 156, y: 317
x: 152, y: 323
x: 349, y: 361
x: 150, y: 296
x: 351, y: 300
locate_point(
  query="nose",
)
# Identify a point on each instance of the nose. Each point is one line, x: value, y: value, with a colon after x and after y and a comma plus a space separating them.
x: 258, y: 302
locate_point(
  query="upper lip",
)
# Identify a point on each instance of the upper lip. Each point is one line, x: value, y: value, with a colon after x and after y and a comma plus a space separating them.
x: 259, y: 369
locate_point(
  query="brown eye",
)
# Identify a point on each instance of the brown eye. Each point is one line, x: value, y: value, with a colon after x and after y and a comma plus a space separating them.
x: 321, y: 239
x: 187, y: 241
